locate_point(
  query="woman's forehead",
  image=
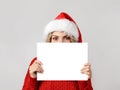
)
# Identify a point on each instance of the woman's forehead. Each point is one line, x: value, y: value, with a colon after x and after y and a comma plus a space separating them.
x: 59, y: 33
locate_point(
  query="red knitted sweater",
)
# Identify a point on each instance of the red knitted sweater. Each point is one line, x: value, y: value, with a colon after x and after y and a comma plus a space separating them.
x: 33, y: 84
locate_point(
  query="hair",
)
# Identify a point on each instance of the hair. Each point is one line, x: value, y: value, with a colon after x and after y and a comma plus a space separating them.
x: 72, y: 38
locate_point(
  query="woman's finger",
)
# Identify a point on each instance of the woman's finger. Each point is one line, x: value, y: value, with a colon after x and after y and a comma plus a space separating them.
x: 85, y: 70
x: 39, y: 69
x: 38, y: 62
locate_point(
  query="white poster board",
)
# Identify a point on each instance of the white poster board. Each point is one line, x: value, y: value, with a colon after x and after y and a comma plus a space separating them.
x: 62, y: 61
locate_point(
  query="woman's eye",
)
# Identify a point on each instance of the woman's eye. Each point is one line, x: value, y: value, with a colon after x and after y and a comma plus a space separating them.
x: 67, y: 38
x: 54, y: 38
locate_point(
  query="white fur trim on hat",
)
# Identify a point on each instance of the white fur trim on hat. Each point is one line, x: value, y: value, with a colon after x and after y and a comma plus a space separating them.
x: 61, y: 25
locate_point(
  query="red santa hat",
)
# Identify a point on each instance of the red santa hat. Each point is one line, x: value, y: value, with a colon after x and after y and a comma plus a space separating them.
x: 63, y: 22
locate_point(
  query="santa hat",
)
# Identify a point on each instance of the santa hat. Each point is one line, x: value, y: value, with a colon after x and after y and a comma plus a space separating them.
x: 63, y: 22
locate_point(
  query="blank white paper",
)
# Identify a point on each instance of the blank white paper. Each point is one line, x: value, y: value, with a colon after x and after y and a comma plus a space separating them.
x: 62, y: 61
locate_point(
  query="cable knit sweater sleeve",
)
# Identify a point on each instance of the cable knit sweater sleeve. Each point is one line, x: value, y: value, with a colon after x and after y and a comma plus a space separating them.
x: 85, y: 85
x: 30, y: 83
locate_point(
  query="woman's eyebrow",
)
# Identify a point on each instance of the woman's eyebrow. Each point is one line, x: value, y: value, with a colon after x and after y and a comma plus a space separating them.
x: 54, y: 35
x: 62, y: 36
x: 66, y: 36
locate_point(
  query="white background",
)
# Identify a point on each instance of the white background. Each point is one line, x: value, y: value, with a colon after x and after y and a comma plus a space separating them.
x: 22, y: 23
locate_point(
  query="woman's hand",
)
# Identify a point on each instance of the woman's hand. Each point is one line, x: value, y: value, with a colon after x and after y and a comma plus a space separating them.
x: 87, y: 70
x: 34, y: 68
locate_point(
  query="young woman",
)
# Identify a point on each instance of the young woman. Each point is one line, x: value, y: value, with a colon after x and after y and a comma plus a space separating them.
x: 61, y: 30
